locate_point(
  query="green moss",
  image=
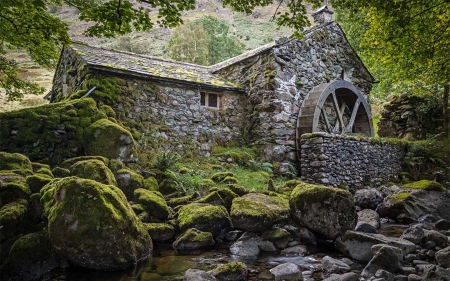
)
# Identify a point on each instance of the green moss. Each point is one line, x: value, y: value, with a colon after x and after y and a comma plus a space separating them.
x: 13, y: 218
x: 14, y: 161
x: 239, y: 190
x: 12, y: 191
x: 154, y: 203
x: 314, y: 194
x: 160, y: 232
x: 212, y: 198
x: 138, y: 208
x: 180, y: 201
x: 425, y: 185
x: 60, y: 172
x: 151, y: 183
x: 128, y: 181
x: 400, y: 198
x: 66, y: 164
x: 229, y: 180
x: 230, y: 270
x: 204, y: 217
x: 38, y: 181
x: 290, y: 184
x: 219, y: 177
x: 37, y: 166
x: 115, y: 165
x: 106, y: 109
x: 94, y: 170
x: 45, y: 171
x: 193, y: 239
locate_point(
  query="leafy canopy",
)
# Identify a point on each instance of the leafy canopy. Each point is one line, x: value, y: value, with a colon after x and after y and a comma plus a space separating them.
x: 27, y: 24
x: 204, y: 41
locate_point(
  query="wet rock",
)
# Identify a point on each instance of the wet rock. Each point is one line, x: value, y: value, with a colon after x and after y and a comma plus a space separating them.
x: 236, y: 271
x: 327, y: 211
x: 92, y: 224
x: 368, y: 198
x: 204, y: 217
x: 397, y: 251
x: 267, y: 246
x: 357, y: 245
x: 443, y: 257
x: 350, y: 276
x: 436, y: 237
x: 258, y: 212
x: 233, y: 235
x: 128, y: 181
x: 193, y: 239
x: 198, y: 275
x: 331, y: 265
x: 414, y: 234
x: 369, y: 216
x: 246, y: 245
x: 300, y: 233
x: 286, y: 272
x: 278, y: 236
x: 385, y: 259
x: 387, y: 276
x: 365, y: 227
x: 298, y: 250
x: 160, y: 232
x: 443, y: 224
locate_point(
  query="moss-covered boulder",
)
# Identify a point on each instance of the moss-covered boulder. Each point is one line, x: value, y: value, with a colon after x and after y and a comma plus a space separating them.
x: 168, y: 186
x: 30, y: 257
x: 425, y: 185
x: 93, y: 170
x: 153, y: 203
x: 278, y: 236
x: 128, y: 181
x: 92, y: 225
x: 108, y: 139
x: 193, y: 239
x: 236, y: 271
x: 151, y: 183
x: 221, y: 176
x: 183, y: 200
x: 212, y: 198
x: 116, y: 165
x: 204, y: 217
x: 14, y: 161
x: 59, y: 172
x: 11, y: 191
x: 161, y: 232
x: 37, y: 181
x: 326, y: 211
x: 66, y: 164
x: 258, y: 212
x: 14, y: 219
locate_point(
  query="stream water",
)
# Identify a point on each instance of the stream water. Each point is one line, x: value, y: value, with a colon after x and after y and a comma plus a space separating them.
x: 168, y: 265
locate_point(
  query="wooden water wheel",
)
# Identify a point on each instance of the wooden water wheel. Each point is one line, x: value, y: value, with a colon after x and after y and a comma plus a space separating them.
x: 337, y: 107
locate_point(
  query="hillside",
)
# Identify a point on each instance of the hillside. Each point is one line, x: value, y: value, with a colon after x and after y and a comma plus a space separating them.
x: 252, y: 30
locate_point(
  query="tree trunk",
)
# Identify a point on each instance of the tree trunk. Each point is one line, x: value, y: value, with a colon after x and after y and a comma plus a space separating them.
x: 445, y: 113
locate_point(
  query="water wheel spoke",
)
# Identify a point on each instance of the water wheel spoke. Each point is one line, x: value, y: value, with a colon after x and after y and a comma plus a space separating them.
x: 325, y: 117
x: 336, y: 125
x: 353, y: 116
x: 338, y: 112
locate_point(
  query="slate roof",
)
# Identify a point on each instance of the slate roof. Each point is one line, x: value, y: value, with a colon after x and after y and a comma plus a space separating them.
x: 151, y: 67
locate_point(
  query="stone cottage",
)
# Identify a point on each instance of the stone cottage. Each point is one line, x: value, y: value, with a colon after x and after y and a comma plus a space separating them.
x: 267, y: 97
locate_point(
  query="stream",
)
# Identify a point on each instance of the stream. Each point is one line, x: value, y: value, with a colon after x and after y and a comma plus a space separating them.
x: 168, y: 265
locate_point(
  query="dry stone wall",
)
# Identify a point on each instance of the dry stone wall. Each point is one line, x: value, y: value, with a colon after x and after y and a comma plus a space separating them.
x: 352, y: 161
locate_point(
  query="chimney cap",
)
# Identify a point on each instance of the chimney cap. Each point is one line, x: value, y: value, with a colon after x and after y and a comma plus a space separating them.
x: 323, y: 9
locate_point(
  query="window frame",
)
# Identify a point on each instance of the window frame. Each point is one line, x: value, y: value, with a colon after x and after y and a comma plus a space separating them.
x: 206, y: 100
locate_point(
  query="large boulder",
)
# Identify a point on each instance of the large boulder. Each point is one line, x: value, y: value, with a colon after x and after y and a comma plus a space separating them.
x: 385, y: 258
x: 258, y: 212
x: 15, y: 218
x: 92, y: 225
x: 193, y: 239
x: 14, y: 161
x: 94, y: 170
x: 160, y: 232
x: 30, y: 257
x: 128, y: 181
x: 108, y: 139
x: 247, y: 246
x: 153, y: 203
x: 204, y: 217
x: 358, y: 245
x: 368, y: 198
x: 326, y: 211
x: 236, y: 271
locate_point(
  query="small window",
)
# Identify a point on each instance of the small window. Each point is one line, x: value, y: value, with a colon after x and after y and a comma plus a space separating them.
x: 209, y: 100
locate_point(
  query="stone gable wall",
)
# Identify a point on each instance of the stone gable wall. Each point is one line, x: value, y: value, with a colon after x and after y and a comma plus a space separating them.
x: 338, y: 159
x: 278, y: 81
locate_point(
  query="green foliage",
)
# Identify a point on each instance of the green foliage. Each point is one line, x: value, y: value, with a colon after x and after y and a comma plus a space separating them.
x: 165, y: 161
x: 204, y: 41
x: 423, y: 156
x: 425, y: 185
x: 240, y: 156
x: 186, y: 183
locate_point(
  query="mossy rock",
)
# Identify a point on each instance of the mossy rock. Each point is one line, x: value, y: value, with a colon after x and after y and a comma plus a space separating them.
x: 116, y: 165
x: 154, y: 203
x: 258, y: 212
x: 45, y: 171
x: 219, y: 177
x: 406, y: 208
x: 11, y: 177
x: 168, y: 186
x: 59, y: 172
x: 37, y: 166
x: 193, y: 239
x: 110, y: 140
x: 93, y: 170
x: 30, y: 257
x: 128, y: 181
x: 14, y: 219
x: 231, y: 271
x: 151, y: 183
x: 92, y: 224
x: 326, y: 211
x: 66, y: 164
x: 204, y: 217
x: 288, y: 186
x: 238, y: 189
x: 161, y: 232
x: 108, y: 111
x: 38, y: 181
x: 14, y: 161
x: 425, y: 185
x: 207, y: 183
x: 229, y: 180
x: 212, y: 198
x: 179, y: 201
x: 10, y: 192
x: 278, y: 236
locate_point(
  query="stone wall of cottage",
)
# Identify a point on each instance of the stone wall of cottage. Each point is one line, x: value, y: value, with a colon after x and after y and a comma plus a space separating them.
x: 278, y: 80
x: 355, y: 162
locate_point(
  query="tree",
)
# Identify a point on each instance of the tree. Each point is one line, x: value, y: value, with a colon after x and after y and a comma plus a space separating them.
x: 27, y: 24
x: 204, y: 41
x: 409, y: 38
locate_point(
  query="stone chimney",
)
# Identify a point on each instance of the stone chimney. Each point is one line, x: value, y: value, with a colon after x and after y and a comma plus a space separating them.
x: 323, y: 15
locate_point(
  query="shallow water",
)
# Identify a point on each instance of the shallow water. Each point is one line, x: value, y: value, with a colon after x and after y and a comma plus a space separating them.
x: 168, y: 265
